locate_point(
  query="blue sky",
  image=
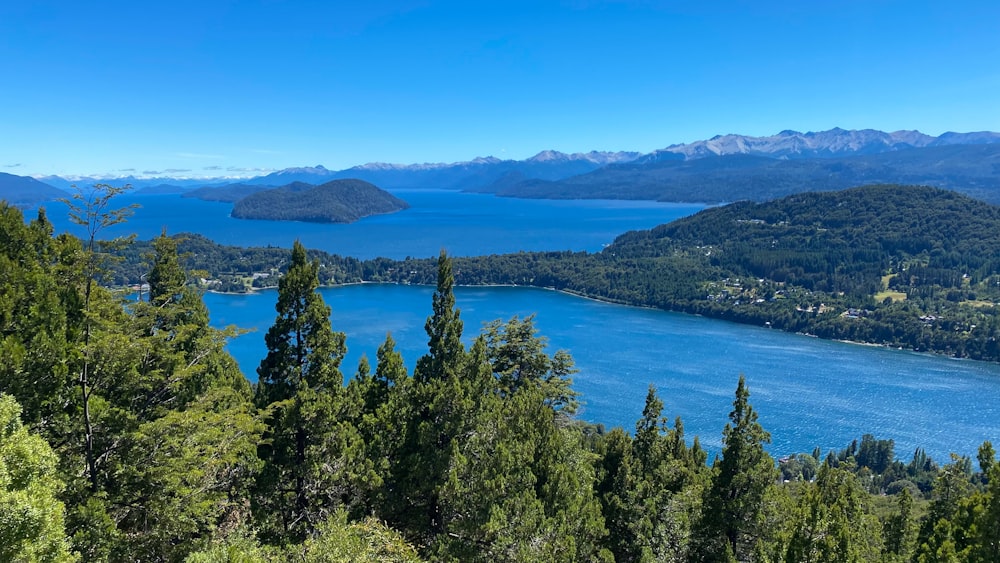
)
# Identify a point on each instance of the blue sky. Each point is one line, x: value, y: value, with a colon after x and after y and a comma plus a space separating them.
x: 231, y: 88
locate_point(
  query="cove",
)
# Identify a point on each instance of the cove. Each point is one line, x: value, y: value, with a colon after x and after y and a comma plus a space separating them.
x: 808, y: 392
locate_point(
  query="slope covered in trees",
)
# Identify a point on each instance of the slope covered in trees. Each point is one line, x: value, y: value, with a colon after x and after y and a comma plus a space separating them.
x: 338, y: 201
x: 138, y: 439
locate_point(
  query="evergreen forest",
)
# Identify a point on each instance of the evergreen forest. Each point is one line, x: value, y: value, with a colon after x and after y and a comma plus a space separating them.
x: 127, y: 432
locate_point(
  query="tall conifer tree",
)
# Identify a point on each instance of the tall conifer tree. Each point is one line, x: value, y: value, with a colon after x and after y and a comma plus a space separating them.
x: 306, y: 473
x: 730, y: 527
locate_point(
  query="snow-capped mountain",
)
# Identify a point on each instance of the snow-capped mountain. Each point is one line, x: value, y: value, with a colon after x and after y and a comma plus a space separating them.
x: 834, y: 143
x: 597, y: 157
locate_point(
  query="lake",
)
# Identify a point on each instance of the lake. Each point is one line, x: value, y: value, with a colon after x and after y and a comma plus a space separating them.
x: 464, y: 224
x: 809, y: 392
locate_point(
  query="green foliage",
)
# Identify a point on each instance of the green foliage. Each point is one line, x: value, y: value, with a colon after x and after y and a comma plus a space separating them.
x: 313, y: 457
x: 340, y: 541
x: 835, y: 523
x: 189, y: 474
x: 31, y: 517
x: 730, y: 525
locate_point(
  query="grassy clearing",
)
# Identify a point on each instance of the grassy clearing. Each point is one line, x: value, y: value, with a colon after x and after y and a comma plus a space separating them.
x: 895, y: 295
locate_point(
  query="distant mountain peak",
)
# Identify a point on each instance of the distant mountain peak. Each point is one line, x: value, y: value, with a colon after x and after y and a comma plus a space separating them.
x: 596, y: 157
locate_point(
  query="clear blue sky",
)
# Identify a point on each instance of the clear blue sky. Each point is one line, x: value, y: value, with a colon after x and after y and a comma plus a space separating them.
x: 214, y: 87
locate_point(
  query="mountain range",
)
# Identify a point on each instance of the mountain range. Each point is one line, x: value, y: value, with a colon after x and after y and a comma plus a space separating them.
x: 723, y: 168
x: 970, y: 169
x: 834, y: 143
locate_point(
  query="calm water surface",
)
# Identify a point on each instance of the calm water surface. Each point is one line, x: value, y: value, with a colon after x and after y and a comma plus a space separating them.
x: 464, y: 224
x: 809, y: 392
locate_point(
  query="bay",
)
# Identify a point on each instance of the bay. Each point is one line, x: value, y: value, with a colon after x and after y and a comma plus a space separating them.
x: 809, y: 392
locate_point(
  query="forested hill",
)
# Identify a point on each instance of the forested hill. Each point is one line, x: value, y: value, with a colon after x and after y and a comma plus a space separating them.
x: 338, y: 201
x: 840, y: 241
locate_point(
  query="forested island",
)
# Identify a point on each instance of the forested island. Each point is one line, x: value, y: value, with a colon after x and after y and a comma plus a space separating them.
x: 128, y: 433
x: 337, y: 201
x: 901, y: 266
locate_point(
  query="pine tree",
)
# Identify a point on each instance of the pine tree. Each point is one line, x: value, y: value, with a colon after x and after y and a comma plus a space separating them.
x: 730, y: 523
x: 444, y: 329
x: 835, y: 523
x: 312, y: 454
x: 439, y: 409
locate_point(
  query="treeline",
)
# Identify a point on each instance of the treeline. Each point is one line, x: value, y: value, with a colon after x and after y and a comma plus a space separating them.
x: 138, y: 439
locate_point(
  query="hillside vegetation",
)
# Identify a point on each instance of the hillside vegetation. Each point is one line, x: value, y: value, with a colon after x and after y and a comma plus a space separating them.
x: 338, y: 201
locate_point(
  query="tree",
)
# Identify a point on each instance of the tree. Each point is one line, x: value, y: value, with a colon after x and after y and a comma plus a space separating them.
x: 187, y: 477
x: 383, y: 404
x: 91, y: 210
x: 31, y: 519
x: 667, y: 473
x: 730, y: 526
x: 312, y: 455
x: 941, y: 535
x: 900, y: 532
x: 183, y: 356
x: 517, y: 356
x: 166, y: 277
x: 36, y: 322
x: 834, y: 523
x: 444, y: 329
x: 439, y: 410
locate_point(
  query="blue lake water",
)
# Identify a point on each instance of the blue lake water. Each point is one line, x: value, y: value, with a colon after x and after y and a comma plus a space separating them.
x: 808, y: 392
x: 464, y: 224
